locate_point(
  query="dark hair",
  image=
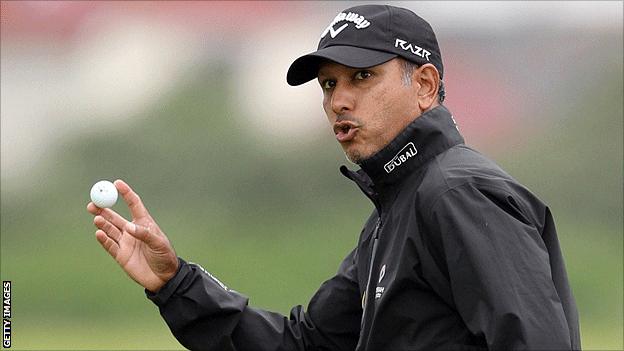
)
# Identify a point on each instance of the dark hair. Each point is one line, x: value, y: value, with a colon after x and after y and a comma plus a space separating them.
x: 408, y: 69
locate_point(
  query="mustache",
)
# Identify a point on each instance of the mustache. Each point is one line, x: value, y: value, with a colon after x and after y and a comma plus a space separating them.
x: 348, y: 118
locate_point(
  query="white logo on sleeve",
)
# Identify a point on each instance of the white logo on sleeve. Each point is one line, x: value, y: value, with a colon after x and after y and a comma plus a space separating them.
x: 413, y: 48
x: 359, y: 21
x: 408, y: 151
x: 211, y: 276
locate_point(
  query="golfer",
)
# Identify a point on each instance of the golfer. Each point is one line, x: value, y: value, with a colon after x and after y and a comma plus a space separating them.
x: 457, y: 255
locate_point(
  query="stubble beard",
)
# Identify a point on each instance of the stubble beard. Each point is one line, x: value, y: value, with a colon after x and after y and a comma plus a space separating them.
x: 356, y: 157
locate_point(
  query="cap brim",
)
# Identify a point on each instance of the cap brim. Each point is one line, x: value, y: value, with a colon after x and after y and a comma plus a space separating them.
x: 306, y: 67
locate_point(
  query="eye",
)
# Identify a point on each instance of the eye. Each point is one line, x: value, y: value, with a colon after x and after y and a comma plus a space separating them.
x: 360, y: 75
x: 328, y: 84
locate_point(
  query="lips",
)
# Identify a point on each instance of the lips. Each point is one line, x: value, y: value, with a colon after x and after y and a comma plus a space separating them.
x: 345, y: 131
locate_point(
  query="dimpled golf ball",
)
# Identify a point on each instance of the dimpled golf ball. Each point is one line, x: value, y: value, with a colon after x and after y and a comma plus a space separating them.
x: 104, y: 194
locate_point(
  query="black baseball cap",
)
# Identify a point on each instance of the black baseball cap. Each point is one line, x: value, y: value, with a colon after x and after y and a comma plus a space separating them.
x: 369, y: 35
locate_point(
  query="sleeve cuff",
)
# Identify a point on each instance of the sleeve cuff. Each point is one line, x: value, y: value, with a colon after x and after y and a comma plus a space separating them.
x: 161, y: 296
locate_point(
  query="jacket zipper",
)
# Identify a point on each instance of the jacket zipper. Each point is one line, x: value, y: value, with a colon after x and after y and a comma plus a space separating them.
x: 370, y: 274
x: 370, y: 271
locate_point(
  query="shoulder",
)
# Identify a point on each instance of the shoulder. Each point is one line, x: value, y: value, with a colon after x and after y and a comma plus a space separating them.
x: 456, y: 167
x: 461, y: 172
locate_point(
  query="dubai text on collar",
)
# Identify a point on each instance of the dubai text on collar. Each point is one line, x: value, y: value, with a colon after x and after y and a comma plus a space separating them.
x: 408, y: 151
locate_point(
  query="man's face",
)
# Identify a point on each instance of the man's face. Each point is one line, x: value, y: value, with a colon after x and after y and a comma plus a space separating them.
x: 367, y: 108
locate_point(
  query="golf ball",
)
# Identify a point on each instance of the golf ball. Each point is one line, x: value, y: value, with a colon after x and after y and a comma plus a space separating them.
x: 104, y: 194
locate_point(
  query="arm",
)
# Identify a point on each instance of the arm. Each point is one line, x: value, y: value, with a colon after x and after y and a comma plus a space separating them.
x: 498, y: 268
x: 204, y: 314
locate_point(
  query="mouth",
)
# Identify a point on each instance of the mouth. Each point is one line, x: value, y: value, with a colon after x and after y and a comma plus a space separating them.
x: 345, y: 131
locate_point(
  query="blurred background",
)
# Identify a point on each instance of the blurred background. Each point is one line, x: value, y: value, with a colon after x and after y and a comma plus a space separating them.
x: 187, y: 102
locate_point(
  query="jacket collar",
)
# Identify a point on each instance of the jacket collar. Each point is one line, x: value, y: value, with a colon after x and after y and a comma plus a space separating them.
x: 430, y: 134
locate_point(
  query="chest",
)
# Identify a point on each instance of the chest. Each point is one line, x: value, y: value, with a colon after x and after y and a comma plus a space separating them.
x: 390, y: 251
x: 403, y: 292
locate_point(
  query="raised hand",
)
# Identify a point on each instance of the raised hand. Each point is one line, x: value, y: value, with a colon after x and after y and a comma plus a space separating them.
x: 139, y: 247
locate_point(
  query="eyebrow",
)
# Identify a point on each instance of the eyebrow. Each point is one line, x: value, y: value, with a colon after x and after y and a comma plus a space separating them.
x: 353, y: 69
x: 322, y: 78
x: 320, y: 73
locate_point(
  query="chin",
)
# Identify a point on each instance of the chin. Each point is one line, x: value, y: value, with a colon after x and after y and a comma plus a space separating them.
x: 356, y: 156
x: 354, y: 160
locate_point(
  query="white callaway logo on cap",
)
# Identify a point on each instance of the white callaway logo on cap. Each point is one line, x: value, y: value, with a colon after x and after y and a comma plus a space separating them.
x: 360, y: 22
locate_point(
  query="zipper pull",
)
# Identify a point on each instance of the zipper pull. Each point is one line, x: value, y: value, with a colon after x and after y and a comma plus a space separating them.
x: 376, y: 232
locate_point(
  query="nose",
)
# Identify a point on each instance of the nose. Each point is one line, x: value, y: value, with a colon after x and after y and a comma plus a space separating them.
x: 342, y: 99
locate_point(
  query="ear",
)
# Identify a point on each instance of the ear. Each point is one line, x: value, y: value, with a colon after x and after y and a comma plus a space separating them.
x: 429, y: 82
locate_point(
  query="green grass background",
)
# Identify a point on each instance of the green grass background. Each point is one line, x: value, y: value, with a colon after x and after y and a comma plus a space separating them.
x: 273, y: 227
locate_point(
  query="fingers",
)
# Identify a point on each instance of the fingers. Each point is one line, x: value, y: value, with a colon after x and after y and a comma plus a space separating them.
x: 94, y: 210
x: 137, y: 209
x: 108, y: 214
x: 143, y: 233
x: 108, y: 228
x: 107, y: 243
x: 113, y: 217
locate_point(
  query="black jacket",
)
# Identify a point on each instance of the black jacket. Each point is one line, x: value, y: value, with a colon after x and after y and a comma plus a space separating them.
x: 456, y: 256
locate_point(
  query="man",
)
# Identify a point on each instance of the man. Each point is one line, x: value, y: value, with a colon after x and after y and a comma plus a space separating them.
x: 456, y: 255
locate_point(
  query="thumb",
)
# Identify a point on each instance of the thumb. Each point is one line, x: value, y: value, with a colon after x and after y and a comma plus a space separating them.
x: 142, y: 233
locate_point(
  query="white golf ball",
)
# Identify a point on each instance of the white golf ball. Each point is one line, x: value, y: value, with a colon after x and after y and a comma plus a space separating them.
x: 104, y: 194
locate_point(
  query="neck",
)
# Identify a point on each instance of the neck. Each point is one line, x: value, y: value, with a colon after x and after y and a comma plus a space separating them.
x: 425, y: 137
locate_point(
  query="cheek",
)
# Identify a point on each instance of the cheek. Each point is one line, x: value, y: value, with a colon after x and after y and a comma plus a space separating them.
x: 371, y: 103
x: 399, y: 105
x: 393, y: 112
x: 326, y: 103
x: 380, y: 104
